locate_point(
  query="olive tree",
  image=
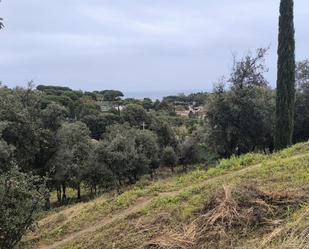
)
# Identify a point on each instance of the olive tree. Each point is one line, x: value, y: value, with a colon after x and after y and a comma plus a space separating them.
x: 239, y: 116
x: 169, y: 158
x: 72, y: 156
x: 21, y: 196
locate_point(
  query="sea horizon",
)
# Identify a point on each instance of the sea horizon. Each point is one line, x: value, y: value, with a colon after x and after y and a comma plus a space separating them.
x: 154, y: 95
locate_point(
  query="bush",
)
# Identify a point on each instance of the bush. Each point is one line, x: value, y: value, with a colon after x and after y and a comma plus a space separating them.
x: 21, y: 197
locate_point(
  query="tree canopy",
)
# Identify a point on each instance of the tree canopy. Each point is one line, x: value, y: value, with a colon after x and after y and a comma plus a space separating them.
x: 285, y: 100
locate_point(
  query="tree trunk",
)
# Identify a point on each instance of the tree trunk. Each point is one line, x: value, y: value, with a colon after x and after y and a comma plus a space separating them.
x: 47, y: 203
x: 59, y: 194
x: 135, y: 177
x: 78, y: 192
x: 184, y: 168
x: 131, y: 180
x: 64, y: 194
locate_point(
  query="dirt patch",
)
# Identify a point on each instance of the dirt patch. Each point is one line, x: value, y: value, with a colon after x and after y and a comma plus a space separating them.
x: 230, y: 214
x: 140, y: 204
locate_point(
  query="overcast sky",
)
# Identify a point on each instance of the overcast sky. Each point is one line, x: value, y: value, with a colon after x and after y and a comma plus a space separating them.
x: 137, y: 45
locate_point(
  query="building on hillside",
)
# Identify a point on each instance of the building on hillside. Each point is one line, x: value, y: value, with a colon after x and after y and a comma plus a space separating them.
x: 198, y: 111
x: 106, y: 106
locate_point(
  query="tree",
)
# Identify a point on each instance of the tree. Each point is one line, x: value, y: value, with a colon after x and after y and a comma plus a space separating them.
x: 194, y: 149
x: 128, y: 153
x: 72, y: 156
x: 20, y: 109
x: 21, y: 196
x: 147, y: 147
x: 285, y: 100
x: 164, y: 131
x: 1, y: 22
x: 169, y: 158
x: 302, y: 75
x: 72, y: 100
x: 53, y: 116
x: 239, y: 119
x: 112, y: 95
x: 249, y: 71
x: 147, y: 104
x: 119, y: 154
x: 6, y: 151
x: 135, y: 115
x: 301, y: 129
x: 98, y: 123
x: 97, y: 173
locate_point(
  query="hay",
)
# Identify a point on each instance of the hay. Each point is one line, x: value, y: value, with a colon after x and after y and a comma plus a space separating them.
x: 231, y: 213
x: 292, y: 235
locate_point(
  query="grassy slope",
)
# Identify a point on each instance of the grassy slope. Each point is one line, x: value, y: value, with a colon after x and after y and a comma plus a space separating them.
x: 151, y: 209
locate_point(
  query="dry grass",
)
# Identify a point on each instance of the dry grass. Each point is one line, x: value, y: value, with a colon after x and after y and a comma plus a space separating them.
x: 230, y: 214
x: 194, y: 211
x: 292, y: 235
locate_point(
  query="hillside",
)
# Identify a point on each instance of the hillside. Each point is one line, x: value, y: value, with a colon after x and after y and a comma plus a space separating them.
x: 254, y: 201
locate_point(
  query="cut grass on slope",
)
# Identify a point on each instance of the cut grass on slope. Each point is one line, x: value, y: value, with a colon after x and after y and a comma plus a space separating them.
x: 230, y: 214
x: 184, y: 198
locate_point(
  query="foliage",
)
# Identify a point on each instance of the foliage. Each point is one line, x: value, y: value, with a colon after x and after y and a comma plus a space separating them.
x: 99, y: 122
x: 164, y: 131
x: 240, y: 119
x: 98, y: 175
x: 129, y: 153
x: 147, y: 104
x: 249, y: 71
x: 302, y: 75
x: 302, y: 102
x: 169, y: 157
x: 6, y: 151
x: 112, y: 95
x: 168, y: 206
x: 72, y: 157
x: 196, y: 99
x: 1, y: 23
x: 285, y: 100
x: 21, y: 196
x: 135, y: 115
x: 193, y: 149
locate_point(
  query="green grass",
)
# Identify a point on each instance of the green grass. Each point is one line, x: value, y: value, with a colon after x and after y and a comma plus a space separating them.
x: 174, y: 201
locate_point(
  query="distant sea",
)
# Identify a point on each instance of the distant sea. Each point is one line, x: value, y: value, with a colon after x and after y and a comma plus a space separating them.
x: 157, y: 94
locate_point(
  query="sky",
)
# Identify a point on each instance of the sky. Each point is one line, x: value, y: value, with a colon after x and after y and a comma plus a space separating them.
x: 138, y: 45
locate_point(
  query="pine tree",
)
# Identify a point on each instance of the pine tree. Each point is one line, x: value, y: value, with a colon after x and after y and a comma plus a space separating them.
x: 1, y: 23
x: 285, y: 99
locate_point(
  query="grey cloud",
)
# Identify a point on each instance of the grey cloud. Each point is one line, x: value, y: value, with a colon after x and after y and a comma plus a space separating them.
x: 137, y: 45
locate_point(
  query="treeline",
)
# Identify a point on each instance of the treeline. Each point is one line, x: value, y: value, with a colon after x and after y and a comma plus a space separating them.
x: 240, y: 115
x: 63, y: 135
x: 52, y: 138
x: 58, y: 138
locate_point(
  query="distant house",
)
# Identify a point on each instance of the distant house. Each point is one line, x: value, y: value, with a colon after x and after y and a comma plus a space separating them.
x: 109, y: 99
x: 195, y: 110
x: 106, y: 106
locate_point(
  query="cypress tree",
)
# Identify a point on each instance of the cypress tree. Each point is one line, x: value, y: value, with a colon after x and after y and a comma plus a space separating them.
x: 285, y: 99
